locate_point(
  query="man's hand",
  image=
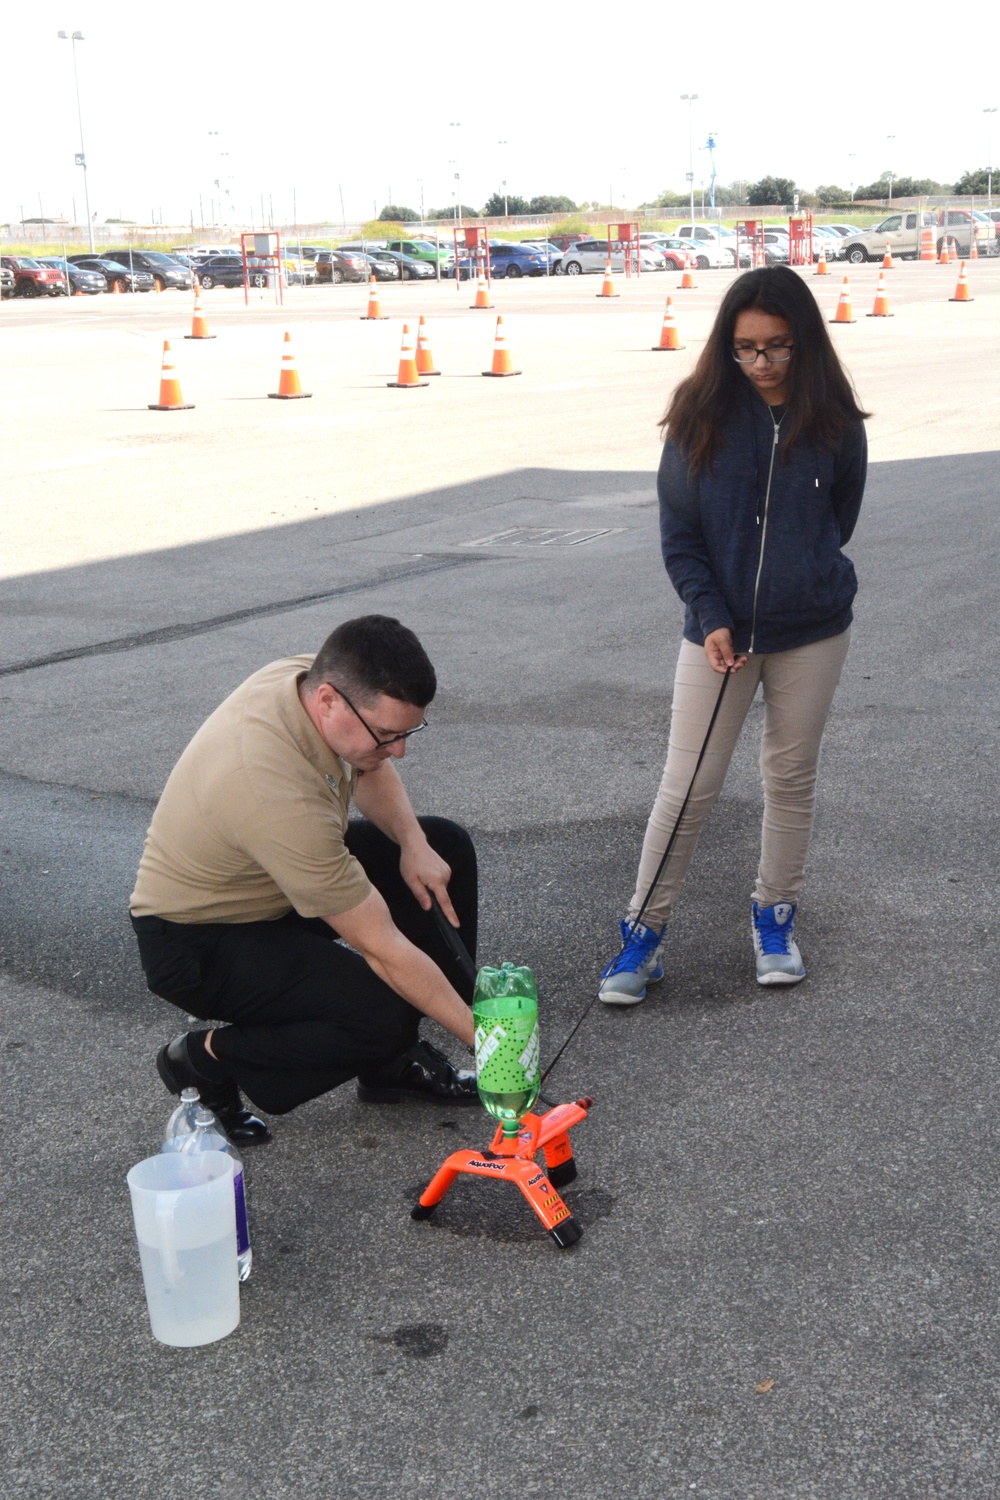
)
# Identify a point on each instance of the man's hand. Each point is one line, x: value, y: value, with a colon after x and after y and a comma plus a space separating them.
x: 424, y: 871
x: 719, y: 650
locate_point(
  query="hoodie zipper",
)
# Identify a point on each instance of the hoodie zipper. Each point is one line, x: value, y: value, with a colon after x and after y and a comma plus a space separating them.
x: 762, y: 523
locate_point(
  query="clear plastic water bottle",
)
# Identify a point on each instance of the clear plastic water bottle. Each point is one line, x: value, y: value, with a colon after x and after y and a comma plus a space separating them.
x: 181, y: 1122
x: 193, y: 1127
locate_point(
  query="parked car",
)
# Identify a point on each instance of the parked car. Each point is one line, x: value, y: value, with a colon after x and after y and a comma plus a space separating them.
x: 844, y: 230
x: 342, y: 265
x: 424, y: 250
x: 959, y: 224
x: 832, y: 243
x: 510, y: 260
x: 80, y: 279
x: 675, y: 251
x: 32, y: 279
x: 225, y: 270
x: 380, y: 268
x: 707, y: 253
x: 587, y: 257
x: 776, y: 248
x: 8, y: 281
x: 989, y: 228
x: 167, y: 273
x: 115, y: 274
x: 410, y: 269
x: 708, y: 236
x: 550, y: 250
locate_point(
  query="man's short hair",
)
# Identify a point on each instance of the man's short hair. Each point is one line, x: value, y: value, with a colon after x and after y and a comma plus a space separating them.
x: 375, y: 654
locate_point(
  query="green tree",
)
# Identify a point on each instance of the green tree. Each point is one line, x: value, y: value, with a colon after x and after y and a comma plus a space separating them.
x: 974, y: 182
x: 668, y: 199
x: 399, y: 215
x: 464, y: 212
x: 771, y: 190
x: 547, y: 203
x: 903, y: 187
x: 829, y: 193
x: 497, y: 205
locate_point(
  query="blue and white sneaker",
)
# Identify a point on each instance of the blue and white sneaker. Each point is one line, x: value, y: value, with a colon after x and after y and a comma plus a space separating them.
x: 778, y: 958
x: 624, y: 980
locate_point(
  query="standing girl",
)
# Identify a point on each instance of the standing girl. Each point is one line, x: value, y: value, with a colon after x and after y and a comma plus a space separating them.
x: 760, y: 484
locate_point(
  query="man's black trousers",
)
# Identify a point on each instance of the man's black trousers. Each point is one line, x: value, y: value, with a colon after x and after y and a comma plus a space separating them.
x: 305, y: 1013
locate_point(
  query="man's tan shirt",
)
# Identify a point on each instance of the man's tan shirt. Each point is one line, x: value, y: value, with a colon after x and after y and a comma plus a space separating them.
x: 252, y: 819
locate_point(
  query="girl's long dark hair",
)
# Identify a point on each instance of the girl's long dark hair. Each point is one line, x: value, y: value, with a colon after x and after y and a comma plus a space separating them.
x: 821, y: 402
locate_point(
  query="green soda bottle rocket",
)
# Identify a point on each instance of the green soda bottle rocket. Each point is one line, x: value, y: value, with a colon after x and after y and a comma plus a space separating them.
x: 508, y: 1052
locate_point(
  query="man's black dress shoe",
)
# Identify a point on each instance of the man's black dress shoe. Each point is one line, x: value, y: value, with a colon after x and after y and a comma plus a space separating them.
x: 221, y: 1096
x: 424, y: 1073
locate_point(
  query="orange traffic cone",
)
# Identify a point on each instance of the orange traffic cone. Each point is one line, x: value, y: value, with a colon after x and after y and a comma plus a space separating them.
x: 409, y: 376
x: 687, y: 280
x: 608, y: 286
x: 482, y: 292
x: 952, y: 249
x: 843, y: 313
x: 374, y: 313
x: 668, y: 332
x: 887, y: 257
x: 289, y: 384
x: 822, y: 269
x: 199, y: 323
x: 881, y: 307
x: 425, y: 359
x: 116, y: 287
x: 944, y: 257
x: 927, y: 243
x: 962, y: 289
x: 501, y: 354
x: 170, y: 387
x: 974, y: 248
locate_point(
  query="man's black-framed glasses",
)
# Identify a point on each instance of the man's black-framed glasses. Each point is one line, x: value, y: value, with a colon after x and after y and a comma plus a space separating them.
x: 776, y: 354
x: 393, y: 739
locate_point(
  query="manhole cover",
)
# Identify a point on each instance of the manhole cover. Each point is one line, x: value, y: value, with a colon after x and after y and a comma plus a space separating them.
x: 542, y: 536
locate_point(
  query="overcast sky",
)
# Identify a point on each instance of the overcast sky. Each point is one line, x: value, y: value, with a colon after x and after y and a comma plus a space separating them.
x: 323, y: 99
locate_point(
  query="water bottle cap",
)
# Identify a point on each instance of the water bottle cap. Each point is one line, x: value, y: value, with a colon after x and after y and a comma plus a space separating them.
x: 189, y: 1096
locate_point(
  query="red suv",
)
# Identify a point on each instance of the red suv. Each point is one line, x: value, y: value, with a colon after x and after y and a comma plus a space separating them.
x: 32, y: 279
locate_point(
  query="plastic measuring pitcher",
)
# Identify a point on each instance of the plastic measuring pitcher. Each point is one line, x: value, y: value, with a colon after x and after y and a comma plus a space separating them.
x: 185, y: 1222
x: 505, y: 1017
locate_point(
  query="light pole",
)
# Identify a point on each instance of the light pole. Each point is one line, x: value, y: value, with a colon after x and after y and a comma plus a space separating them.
x: 690, y: 176
x: 850, y: 157
x: 989, y: 157
x: 503, y: 184
x: 81, y: 160
x: 456, y: 125
x: 890, y: 138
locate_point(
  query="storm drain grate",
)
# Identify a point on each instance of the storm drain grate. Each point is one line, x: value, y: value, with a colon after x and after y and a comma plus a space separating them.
x: 542, y: 536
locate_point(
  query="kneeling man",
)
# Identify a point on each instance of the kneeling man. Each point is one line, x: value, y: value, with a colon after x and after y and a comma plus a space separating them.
x: 251, y: 872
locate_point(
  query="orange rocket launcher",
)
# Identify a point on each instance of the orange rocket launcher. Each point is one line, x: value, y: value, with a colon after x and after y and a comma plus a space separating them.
x: 508, y: 1076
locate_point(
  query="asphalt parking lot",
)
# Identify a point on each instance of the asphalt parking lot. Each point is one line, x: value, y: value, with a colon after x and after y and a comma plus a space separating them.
x: 787, y: 1285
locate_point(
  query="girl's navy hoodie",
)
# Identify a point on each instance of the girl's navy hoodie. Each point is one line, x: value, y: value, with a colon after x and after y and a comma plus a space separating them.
x: 764, y: 562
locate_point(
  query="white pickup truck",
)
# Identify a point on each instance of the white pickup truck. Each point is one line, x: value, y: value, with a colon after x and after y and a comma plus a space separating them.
x: 902, y: 232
